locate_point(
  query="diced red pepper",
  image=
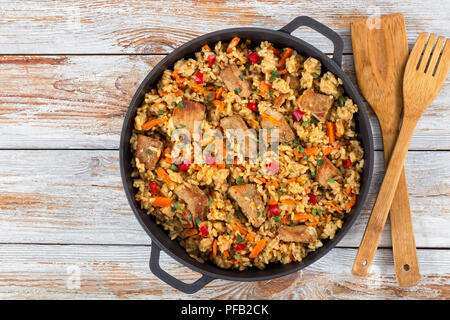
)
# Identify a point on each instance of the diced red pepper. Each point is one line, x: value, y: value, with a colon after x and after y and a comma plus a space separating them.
x: 312, y: 198
x: 254, y: 57
x: 212, y: 59
x: 274, y: 210
x: 204, y: 231
x: 252, y: 106
x: 184, y: 167
x: 199, y: 77
x: 297, y: 115
x: 239, y: 247
x: 153, y: 187
x: 347, y: 163
x: 272, y: 167
x: 210, y: 160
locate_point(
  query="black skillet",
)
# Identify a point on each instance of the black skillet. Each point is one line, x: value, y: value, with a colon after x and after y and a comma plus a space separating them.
x: 280, y: 38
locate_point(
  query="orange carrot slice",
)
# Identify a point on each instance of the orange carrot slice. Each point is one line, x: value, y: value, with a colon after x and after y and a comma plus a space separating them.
x: 152, y: 123
x: 258, y: 248
x: 233, y: 43
x: 162, y: 202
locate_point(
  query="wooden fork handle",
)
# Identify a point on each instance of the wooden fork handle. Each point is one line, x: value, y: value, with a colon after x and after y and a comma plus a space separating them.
x: 403, y: 242
x: 374, y: 229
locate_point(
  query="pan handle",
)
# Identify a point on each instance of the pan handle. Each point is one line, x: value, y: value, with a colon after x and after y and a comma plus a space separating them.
x: 338, y: 43
x: 188, y: 288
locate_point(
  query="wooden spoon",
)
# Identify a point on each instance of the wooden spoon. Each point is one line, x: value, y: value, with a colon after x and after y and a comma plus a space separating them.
x: 380, y: 56
x: 423, y: 79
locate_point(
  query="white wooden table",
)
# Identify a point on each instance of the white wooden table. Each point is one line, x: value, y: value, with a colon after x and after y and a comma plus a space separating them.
x: 68, y: 70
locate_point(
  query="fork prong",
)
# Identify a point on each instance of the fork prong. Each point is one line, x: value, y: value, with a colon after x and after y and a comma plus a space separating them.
x: 427, y: 52
x: 436, y: 53
x: 444, y: 64
x: 416, y: 51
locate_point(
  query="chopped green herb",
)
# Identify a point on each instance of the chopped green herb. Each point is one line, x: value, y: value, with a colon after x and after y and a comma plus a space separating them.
x: 241, y: 76
x: 236, y: 255
x: 305, y: 123
x: 210, y: 200
x: 313, y: 174
x: 319, y: 211
x: 275, y: 74
x: 292, y: 224
x: 315, y: 75
x: 259, y: 213
x: 314, y: 212
x: 239, y: 180
x: 319, y: 162
x: 295, y: 142
x: 149, y: 151
x: 291, y: 170
x: 171, y: 220
x: 341, y: 101
x: 305, y: 156
x: 174, y: 167
x: 160, y: 112
x: 237, y: 90
x: 300, y: 149
x: 209, y: 97
x: 228, y: 219
x: 190, y: 217
x: 330, y: 180
x: 173, y: 209
x: 238, y: 238
x: 197, y: 221
x: 174, y: 103
x: 277, y: 219
x: 176, y: 205
x: 256, y: 91
x: 271, y: 92
x: 313, y: 120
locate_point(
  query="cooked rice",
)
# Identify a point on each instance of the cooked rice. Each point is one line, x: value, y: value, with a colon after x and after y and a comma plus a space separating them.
x: 294, y: 180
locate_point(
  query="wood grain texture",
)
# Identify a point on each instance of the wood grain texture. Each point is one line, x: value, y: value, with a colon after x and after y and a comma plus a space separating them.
x: 61, y: 196
x: 121, y: 272
x: 380, y: 56
x: 62, y: 102
x: 138, y: 26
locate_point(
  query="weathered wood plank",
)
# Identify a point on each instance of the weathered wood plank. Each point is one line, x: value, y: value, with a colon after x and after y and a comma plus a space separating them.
x: 49, y: 102
x: 121, y: 272
x: 67, y: 27
x: 60, y: 196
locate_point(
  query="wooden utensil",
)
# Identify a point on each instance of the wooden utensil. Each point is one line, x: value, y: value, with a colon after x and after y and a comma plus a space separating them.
x: 423, y: 79
x: 380, y: 54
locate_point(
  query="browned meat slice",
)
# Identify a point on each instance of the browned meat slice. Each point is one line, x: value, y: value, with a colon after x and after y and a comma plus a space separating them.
x: 294, y: 82
x: 250, y: 203
x: 196, y: 200
x: 280, y: 100
x: 326, y: 171
x: 299, y: 233
x: 236, y: 122
x: 316, y: 103
x: 272, y: 119
x: 148, y: 151
x: 230, y: 76
x: 188, y: 115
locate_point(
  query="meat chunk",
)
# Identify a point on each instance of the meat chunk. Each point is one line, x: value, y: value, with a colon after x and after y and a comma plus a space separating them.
x: 280, y: 100
x: 236, y: 122
x: 272, y: 119
x: 148, y: 151
x: 250, y: 203
x: 196, y: 200
x: 230, y: 76
x: 294, y: 82
x: 316, y: 103
x: 326, y: 171
x: 188, y: 115
x: 299, y: 233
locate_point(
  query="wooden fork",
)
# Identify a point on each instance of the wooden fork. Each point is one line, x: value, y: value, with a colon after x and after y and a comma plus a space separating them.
x: 423, y: 79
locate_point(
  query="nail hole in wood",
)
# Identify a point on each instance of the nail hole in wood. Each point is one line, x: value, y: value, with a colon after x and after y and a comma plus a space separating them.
x: 406, y: 267
x: 364, y: 263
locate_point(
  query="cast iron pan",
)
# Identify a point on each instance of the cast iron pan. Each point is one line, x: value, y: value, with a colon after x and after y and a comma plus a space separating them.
x: 160, y: 240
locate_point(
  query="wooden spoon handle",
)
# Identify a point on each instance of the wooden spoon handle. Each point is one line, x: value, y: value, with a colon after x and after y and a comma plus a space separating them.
x: 403, y: 242
x: 374, y: 229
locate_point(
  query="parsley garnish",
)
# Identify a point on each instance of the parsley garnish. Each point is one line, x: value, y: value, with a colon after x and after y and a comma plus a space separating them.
x: 180, y: 105
x: 211, y: 200
x: 241, y: 76
x: 275, y: 74
x: 313, y: 120
x: 256, y: 91
x: 237, y: 90
x: 271, y: 92
x: 238, y: 238
x: 291, y: 170
x: 149, y: 151
x: 319, y: 162
x: 341, y: 101
x: 315, y: 75
x: 277, y: 219
x: 160, y: 112
x: 300, y: 149
x: 330, y: 180
x: 313, y: 174
x: 239, y: 180
x: 198, y: 221
x: 305, y: 123
x: 173, y: 167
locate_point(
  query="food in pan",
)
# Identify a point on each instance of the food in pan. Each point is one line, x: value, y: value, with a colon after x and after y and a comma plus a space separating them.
x: 247, y: 154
